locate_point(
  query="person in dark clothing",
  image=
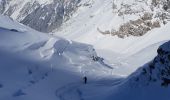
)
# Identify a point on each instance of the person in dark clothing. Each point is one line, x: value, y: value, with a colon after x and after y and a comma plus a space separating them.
x: 85, y: 80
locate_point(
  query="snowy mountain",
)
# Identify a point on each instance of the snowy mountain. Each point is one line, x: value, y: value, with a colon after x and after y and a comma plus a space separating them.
x: 89, y: 22
x: 111, y: 42
x: 32, y: 63
x: 48, y: 15
x: 35, y: 65
x: 117, y: 18
x: 157, y: 71
x: 150, y: 82
x: 42, y: 15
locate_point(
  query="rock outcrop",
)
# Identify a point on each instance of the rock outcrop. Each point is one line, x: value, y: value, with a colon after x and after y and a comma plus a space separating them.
x: 151, y: 14
x: 157, y: 71
x: 42, y: 17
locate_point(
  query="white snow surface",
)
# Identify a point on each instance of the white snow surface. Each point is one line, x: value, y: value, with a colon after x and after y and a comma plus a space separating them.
x: 118, y: 52
x: 35, y: 65
x: 38, y: 66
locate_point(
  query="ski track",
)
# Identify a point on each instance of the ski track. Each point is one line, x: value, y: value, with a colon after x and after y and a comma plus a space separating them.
x: 65, y: 92
x: 31, y: 83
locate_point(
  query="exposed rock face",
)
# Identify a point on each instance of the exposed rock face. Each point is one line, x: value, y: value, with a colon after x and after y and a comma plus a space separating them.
x: 2, y: 7
x: 157, y: 70
x: 42, y: 17
x: 150, y: 13
x: 137, y: 27
x: 49, y: 16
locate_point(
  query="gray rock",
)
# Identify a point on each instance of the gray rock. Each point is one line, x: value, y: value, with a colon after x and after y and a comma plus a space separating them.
x: 44, y: 18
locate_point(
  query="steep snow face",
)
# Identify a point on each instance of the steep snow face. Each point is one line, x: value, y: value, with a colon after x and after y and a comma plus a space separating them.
x: 150, y: 82
x: 91, y: 17
x: 42, y: 15
x: 51, y: 14
x: 99, y: 15
x: 34, y: 65
x: 85, y: 24
x: 121, y: 17
x: 157, y: 71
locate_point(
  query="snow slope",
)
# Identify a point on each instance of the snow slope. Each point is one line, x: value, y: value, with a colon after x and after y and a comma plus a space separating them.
x: 83, y: 26
x: 150, y: 82
x: 34, y: 65
x: 120, y: 53
x: 37, y: 66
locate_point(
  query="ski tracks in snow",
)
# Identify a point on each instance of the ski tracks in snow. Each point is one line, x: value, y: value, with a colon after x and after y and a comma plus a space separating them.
x: 69, y: 92
x: 75, y: 91
x: 31, y: 83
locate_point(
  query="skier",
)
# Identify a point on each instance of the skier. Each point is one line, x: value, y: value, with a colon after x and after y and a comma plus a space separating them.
x: 85, y: 80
